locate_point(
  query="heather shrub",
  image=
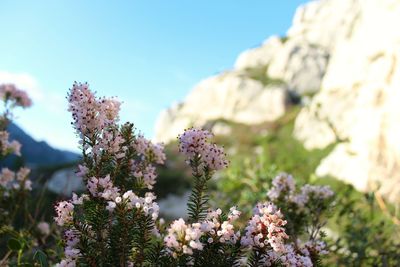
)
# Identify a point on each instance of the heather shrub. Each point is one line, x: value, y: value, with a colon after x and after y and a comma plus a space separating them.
x: 362, y: 228
x: 22, y: 235
x: 116, y: 221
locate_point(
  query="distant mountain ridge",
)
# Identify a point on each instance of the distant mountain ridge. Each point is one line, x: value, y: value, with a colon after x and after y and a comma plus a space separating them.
x: 38, y: 153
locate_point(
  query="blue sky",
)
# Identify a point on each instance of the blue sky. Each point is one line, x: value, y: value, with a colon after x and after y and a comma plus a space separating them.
x: 148, y: 53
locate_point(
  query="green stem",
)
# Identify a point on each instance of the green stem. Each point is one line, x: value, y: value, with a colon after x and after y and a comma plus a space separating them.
x: 19, y: 257
x: 198, y: 200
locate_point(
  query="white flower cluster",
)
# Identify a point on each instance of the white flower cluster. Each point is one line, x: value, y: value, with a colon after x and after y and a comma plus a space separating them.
x: 183, y: 238
x: 220, y: 231
x: 11, y: 180
x: 265, y: 228
x: 195, y: 143
x: 130, y: 200
x: 7, y: 147
x: 292, y: 256
x: 43, y: 228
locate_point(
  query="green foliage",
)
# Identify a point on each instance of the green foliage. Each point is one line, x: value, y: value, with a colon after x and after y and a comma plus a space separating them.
x: 284, y: 39
x: 41, y: 258
x: 366, y: 236
x: 260, y: 73
x: 360, y: 233
x: 198, y: 200
x: 174, y: 177
x: 277, y: 151
x: 22, y: 242
x: 13, y: 244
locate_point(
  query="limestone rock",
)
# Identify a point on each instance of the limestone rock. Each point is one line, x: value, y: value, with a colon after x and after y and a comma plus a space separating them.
x: 346, y: 53
x: 259, y: 56
x: 230, y: 96
x: 325, y: 22
x: 301, y: 65
x: 359, y: 103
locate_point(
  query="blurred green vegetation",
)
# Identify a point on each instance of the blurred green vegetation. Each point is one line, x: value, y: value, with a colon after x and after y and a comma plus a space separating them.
x: 360, y: 232
x: 260, y: 73
x: 174, y: 177
x: 258, y: 153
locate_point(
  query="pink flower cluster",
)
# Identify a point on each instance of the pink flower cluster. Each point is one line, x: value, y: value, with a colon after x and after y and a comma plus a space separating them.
x: 309, y: 194
x: 148, y: 153
x: 294, y: 255
x: 112, y: 142
x: 283, y: 186
x: 297, y: 254
x: 220, y: 231
x: 96, y: 121
x: 265, y: 228
x: 315, y: 247
x: 146, y: 173
x: 317, y: 192
x: 70, y: 251
x: 64, y: 210
x: 293, y: 259
x: 82, y: 171
x: 7, y: 147
x: 10, y: 179
x: 9, y: 92
x: 195, y: 143
x: 90, y: 114
x: 146, y: 149
x: 102, y: 187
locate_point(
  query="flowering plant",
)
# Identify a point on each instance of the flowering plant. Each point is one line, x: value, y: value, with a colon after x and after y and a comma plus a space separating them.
x: 116, y: 222
x: 14, y: 185
x: 21, y: 236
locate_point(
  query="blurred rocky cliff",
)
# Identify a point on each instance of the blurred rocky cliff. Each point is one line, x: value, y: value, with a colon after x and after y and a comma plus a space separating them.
x: 340, y: 62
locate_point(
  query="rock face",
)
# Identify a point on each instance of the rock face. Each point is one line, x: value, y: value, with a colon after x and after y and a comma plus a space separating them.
x: 230, y: 96
x: 65, y: 182
x: 344, y: 53
x: 358, y: 102
x: 301, y: 65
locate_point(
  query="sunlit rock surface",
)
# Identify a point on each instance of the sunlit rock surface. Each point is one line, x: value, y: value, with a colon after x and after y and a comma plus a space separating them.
x: 342, y: 57
x: 230, y: 96
x: 359, y: 100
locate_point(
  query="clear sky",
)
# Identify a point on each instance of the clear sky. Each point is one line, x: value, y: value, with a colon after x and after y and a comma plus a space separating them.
x: 148, y: 53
